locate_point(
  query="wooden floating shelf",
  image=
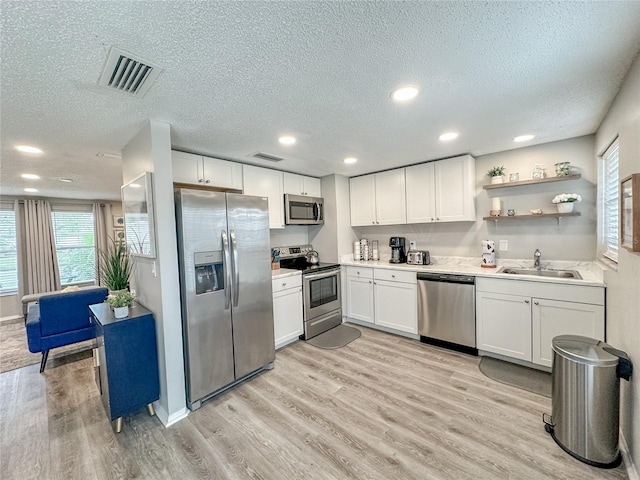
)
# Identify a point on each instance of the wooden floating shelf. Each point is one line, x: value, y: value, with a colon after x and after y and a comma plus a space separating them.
x: 523, y: 217
x: 532, y: 182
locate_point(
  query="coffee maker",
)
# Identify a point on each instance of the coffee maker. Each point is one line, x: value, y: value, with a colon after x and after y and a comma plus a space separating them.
x: 397, y: 245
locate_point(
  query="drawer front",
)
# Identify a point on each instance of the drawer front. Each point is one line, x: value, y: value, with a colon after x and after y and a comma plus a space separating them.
x: 279, y: 284
x: 395, y: 275
x: 360, y: 272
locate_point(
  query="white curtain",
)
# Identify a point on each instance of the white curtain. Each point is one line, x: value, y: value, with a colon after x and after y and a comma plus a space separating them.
x: 103, y: 227
x: 40, y: 272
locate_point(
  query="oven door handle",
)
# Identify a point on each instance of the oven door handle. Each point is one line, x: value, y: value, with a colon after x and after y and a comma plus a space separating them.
x: 315, y: 276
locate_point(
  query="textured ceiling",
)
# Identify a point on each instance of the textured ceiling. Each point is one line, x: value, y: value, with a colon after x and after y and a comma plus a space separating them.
x: 238, y: 74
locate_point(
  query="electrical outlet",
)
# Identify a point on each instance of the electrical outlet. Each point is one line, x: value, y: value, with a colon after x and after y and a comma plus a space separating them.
x: 504, y: 245
x: 412, y: 245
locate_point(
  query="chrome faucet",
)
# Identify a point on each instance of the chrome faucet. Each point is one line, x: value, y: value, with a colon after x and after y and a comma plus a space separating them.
x: 536, y: 259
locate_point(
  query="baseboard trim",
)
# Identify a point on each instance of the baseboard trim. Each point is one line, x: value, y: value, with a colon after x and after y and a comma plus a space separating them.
x: 10, y: 318
x: 168, y: 420
x: 628, y: 461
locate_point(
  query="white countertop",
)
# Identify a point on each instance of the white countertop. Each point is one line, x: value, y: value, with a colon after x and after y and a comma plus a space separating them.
x: 284, y: 272
x: 471, y: 266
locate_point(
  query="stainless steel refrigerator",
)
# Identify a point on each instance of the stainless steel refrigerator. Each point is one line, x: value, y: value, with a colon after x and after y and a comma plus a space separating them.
x: 225, y: 282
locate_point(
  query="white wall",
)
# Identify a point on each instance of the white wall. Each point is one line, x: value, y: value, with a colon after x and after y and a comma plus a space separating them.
x: 335, y: 236
x: 575, y: 240
x: 623, y: 287
x: 156, y: 280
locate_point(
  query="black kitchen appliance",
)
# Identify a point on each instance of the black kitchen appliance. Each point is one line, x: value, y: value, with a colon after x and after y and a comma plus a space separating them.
x: 398, y: 251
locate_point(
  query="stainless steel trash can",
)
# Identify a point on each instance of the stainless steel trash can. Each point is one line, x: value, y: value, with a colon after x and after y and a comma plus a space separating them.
x: 585, y: 398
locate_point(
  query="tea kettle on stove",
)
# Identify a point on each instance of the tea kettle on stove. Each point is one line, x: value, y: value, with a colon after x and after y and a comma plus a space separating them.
x: 312, y: 257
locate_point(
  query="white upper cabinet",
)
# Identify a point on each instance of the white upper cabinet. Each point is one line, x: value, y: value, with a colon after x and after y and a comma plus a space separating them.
x: 302, y: 185
x: 391, y: 207
x: 200, y: 170
x: 441, y: 191
x: 378, y: 199
x: 362, y: 197
x: 264, y: 182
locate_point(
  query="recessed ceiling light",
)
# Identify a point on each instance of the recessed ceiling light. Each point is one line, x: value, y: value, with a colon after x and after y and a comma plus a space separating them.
x: 524, y: 138
x: 31, y: 190
x: 65, y: 180
x: 287, y: 140
x: 445, y: 137
x: 30, y: 176
x: 350, y: 160
x: 405, y: 93
x: 28, y: 149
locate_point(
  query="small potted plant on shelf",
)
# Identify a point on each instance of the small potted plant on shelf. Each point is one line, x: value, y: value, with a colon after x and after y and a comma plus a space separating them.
x: 565, y: 201
x: 115, y: 266
x: 120, y: 302
x: 496, y: 174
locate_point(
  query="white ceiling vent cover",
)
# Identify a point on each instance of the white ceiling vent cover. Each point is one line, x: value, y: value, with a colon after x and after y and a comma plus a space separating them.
x: 128, y: 73
x: 267, y: 156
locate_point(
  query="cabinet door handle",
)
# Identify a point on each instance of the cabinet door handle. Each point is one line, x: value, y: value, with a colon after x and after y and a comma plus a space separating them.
x: 536, y: 303
x: 393, y: 276
x: 369, y: 281
x: 207, y: 181
x: 432, y: 219
x: 200, y: 180
x: 284, y: 284
x: 437, y: 219
x: 358, y: 273
x: 526, y: 301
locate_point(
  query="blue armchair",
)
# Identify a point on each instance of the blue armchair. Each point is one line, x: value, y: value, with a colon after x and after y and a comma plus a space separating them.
x: 61, y: 319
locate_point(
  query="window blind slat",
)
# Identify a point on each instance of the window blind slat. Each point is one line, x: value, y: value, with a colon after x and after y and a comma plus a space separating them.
x: 610, y: 199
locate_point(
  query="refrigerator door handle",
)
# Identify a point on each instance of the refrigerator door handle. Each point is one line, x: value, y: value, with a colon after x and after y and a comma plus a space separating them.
x: 227, y: 270
x: 236, y: 267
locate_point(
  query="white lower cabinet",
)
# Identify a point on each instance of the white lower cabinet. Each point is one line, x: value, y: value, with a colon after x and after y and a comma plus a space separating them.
x: 287, y: 309
x: 552, y: 318
x: 382, y: 297
x: 360, y: 294
x: 519, y: 319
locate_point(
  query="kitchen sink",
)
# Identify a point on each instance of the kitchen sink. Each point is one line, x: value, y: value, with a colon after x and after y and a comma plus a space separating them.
x: 541, y: 273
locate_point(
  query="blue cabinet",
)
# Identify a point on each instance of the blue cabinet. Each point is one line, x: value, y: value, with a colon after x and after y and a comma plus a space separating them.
x: 126, y: 361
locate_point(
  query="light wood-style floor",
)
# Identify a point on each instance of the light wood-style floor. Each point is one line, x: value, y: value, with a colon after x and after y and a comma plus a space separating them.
x: 383, y: 407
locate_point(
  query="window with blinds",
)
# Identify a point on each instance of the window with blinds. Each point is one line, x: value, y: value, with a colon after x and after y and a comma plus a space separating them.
x: 75, y: 246
x: 8, y: 251
x: 609, y: 203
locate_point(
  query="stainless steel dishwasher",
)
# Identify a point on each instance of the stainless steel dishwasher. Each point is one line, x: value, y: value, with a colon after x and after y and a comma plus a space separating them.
x: 447, y: 311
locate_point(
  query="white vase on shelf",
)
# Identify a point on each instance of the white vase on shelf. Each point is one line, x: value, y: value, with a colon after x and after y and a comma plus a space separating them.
x: 496, y: 179
x: 565, y: 207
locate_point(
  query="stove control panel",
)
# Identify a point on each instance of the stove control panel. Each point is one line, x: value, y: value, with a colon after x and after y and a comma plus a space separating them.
x: 294, y: 251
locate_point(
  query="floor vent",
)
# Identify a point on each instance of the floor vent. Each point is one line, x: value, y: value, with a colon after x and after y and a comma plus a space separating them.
x: 126, y: 73
x: 267, y: 156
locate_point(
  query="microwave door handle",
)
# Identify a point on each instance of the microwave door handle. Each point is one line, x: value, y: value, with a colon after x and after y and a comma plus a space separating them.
x: 316, y: 212
x: 236, y: 268
x: 226, y: 265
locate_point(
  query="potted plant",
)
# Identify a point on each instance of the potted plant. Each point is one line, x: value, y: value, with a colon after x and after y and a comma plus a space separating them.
x: 120, y: 302
x: 496, y: 174
x: 115, y: 266
x: 565, y: 201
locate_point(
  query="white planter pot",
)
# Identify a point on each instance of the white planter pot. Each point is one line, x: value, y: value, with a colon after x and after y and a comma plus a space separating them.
x: 121, y: 312
x: 566, y: 207
x: 495, y: 180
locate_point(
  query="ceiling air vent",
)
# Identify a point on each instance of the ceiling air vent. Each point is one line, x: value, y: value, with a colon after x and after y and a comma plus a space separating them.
x: 127, y: 73
x: 267, y: 156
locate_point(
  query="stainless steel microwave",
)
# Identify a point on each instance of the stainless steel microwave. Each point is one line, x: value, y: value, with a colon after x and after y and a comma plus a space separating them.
x: 303, y: 210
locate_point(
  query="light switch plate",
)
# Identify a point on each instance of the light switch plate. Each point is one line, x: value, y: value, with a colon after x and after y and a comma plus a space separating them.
x: 504, y: 245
